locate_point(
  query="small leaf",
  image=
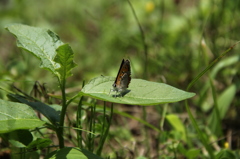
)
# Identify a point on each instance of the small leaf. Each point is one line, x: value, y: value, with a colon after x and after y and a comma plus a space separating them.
x: 65, y: 58
x: 177, y: 125
x: 192, y: 153
x: 39, y: 143
x: 140, y: 92
x: 14, y: 116
x: 42, y: 43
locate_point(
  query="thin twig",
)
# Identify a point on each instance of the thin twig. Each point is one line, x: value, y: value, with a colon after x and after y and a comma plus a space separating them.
x: 143, y: 39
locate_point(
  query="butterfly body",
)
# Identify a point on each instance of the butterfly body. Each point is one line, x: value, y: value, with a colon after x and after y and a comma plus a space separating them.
x: 123, y: 78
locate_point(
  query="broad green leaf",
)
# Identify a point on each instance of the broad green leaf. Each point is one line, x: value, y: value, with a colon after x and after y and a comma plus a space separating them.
x: 140, y: 92
x: 177, y: 125
x: 14, y: 116
x: 72, y: 153
x: 42, y: 43
x: 65, y: 58
x: 50, y: 113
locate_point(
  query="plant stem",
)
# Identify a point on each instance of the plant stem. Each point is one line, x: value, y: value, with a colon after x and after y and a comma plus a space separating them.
x: 90, y: 136
x: 93, y: 130
x: 105, y: 132
x: 62, y: 116
x: 203, y: 139
x: 79, y: 120
x: 145, y: 47
x: 79, y: 123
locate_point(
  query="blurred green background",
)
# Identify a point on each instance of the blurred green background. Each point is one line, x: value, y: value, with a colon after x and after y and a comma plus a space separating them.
x: 182, y: 38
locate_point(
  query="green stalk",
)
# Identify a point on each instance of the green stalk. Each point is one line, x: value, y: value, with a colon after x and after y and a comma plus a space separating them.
x: 62, y: 116
x: 200, y: 134
x: 147, y: 144
x: 93, y: 130
x: 79, y: 123
x: 104, y: 132
x: 89, y: 139
x: 145, y: 47
x: 218, y: 129
x: 164, y: 112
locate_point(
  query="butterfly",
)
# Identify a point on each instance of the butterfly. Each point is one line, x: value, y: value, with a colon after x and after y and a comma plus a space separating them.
x: 123, y: 78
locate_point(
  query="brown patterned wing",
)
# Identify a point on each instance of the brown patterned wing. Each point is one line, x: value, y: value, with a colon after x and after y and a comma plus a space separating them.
x: 124, y: 76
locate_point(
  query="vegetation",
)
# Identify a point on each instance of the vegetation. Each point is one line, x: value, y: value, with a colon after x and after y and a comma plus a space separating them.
x: 191, y: 46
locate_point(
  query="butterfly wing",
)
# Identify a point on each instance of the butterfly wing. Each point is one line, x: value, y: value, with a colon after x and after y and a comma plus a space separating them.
x: 124, y: 76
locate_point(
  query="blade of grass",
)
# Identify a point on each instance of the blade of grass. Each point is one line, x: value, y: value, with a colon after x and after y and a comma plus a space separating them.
x: 93, y: 130
x: 90, y: 136
x: 145, y: 47
x: 216, y: 109
x: 130, y: 116
x: 105, y: 132
x: 146, y: 142
x: 200, y: 134
x: 79, y: 122
x: 210, y: 66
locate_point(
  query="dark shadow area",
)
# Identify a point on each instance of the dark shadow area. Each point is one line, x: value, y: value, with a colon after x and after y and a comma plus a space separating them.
x: 121, y: 94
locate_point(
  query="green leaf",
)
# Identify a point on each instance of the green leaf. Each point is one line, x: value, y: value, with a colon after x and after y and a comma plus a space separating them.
x: 50, y: 113
x: 14, y: 116
x: 42, y: 43
x: 19, y: 138
x: 193, y: 153
x: 72, y: 153
x: 39, y: 143
x: 65, y: 58
x: 140, y: 92
x: 141, y: 157
x: 225, y: 154
x: 177, y: 125
x: 224, y: 102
